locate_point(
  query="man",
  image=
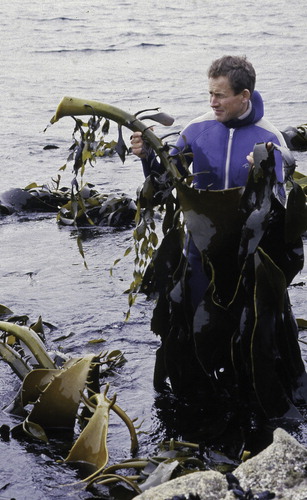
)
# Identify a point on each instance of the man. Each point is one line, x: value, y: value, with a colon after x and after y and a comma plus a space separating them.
x: 228, y: 336
x: 221, y: 141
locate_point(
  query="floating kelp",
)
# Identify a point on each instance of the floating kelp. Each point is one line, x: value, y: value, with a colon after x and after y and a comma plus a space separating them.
x: 32, y: 198
x: 51, y: 396
x: 296, y: 137
x: 91, y: 445
x: 32, y: 341
x: 173, y: 459
x: 90, y: 209
x: 87, y: 445
x: 94, y: 209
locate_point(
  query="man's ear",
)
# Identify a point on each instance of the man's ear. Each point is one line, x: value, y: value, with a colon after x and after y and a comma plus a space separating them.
x: 246, y: 95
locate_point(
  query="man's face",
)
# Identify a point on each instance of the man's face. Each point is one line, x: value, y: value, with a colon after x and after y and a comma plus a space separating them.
x: 225, y: 104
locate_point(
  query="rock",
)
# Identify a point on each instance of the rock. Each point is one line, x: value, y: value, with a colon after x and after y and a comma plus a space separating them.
x: 209, y: 485
x: 281, y: 469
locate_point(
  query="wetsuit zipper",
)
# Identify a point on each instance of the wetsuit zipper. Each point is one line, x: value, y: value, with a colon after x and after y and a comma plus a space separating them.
x: 227, y: 165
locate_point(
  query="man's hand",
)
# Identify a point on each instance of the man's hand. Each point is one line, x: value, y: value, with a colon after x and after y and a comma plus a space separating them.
x: 137, y: 145
x: 250, y: 157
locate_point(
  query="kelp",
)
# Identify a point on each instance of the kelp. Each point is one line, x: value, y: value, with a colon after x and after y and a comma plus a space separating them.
x: 91, y: 445
x: 98, y: 210
x: 240, y: 345
x: 239, y: 348
x: 237, y: 352
x: 296, y: 137
x: 50, y: 399
x: 87, y: 445
x: 30, y: 338
x: 89, y: 145
x: 54, y: 396
x: 32, y: 198
x: 172, y: 459
x: 57, y: 396
x: 71, y: 106
x: 90, y: 209
x: 59, y: 400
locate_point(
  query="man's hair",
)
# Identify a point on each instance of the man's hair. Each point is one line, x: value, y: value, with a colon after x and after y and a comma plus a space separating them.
x: 239, y: 71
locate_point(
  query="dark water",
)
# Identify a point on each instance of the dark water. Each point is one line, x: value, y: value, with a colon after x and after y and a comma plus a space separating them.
x: 133, y: 55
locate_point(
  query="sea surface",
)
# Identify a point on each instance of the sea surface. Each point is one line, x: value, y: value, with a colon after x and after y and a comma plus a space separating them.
x: 134, y: 55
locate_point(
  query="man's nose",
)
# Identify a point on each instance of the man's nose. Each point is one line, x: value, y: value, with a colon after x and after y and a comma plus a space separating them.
x: 213, y: 101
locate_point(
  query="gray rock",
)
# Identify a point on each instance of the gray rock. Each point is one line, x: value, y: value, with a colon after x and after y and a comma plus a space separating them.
x: 209, y: 485
x: 281, y: 468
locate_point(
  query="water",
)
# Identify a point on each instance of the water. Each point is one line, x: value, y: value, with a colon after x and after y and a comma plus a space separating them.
x: 133, y: 55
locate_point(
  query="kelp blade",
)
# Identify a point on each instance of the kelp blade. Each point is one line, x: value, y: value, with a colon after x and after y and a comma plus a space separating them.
x: 91, y: 446
x: 215, y: 353
x: 58, y: 404
x: 35, y: 382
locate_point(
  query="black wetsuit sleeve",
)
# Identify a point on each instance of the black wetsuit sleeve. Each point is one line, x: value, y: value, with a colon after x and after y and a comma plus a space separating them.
x: 151, y: 165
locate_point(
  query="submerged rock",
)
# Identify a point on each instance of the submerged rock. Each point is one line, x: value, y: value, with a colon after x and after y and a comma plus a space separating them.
x: 280, y: 469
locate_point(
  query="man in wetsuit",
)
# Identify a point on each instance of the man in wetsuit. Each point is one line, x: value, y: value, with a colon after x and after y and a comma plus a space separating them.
x: 221, y: 141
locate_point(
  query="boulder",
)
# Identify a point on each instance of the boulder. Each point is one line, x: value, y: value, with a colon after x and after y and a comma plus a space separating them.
x: 281, y: 468
x: 209, y: 485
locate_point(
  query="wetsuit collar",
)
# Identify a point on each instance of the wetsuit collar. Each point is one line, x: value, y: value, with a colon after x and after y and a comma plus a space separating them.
x: 252, y: 115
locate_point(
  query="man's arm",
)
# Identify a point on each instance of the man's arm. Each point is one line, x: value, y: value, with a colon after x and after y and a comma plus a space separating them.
x: 149, y: 159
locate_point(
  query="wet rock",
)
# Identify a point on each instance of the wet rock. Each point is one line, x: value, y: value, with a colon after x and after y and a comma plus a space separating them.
x: 281, y: 469
x: 209, y: 485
